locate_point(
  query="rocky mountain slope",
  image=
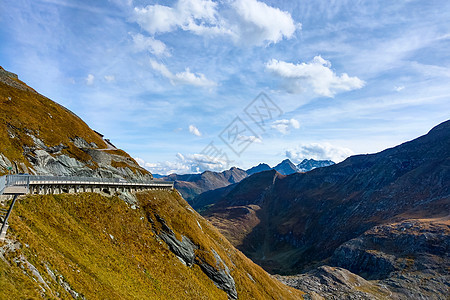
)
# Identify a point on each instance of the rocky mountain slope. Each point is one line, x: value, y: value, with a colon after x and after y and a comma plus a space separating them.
x: 39, y: 136
x: 297, y: 222
x: 307, y: 165
x: 93, y: 246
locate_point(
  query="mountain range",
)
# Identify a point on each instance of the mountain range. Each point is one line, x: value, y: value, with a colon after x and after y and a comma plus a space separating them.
x: 382, y: 216
x: 192, y: 185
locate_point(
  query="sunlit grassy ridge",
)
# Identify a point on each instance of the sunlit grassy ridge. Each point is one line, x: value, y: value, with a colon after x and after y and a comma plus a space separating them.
x: 104, y: 250
x: 25, y: 112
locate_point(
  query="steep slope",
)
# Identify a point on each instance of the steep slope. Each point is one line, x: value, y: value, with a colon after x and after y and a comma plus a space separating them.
x: 191, y: 185
x: 93, y: 247
x: 303, y: 218
x: 39, y: 136
x: 307, y: 165
x: 286, y: 167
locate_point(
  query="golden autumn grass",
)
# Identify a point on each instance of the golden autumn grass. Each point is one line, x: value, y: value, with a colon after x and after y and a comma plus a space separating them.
x: 104, y: 250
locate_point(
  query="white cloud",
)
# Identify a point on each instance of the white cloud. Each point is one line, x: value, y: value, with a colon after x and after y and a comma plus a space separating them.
x: 247, y: 22
x: 198, y: 16
x: 90, y: 79
x: 250, y: 138
x: 283, y: 126
x: 183, y: 164
x: 259, y: 22
x: 318, y: 151
x: 194, y: 130
x: 316, y: 74
x: 110, y: 78
x: 399, y: 88
x: 186, y: 77
x: 146, y: 43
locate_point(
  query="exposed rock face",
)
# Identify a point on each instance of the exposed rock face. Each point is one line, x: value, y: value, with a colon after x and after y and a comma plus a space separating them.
x: 411, y: 257
x: 336, y: 284
x: 50, y: 161
x: 185, y: 251
x: 405, y: 260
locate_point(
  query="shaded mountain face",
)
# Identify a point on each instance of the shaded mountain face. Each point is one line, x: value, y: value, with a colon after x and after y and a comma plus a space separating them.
x: 301, y: 219
x: 310, y: 164
x: 90, y: 246
x: 286, y: 167
x: 191, y: 185
x: 259, y: 168
x: 39, y: 136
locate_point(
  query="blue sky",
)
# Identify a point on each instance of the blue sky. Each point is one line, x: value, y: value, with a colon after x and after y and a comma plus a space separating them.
x: 189, y: 85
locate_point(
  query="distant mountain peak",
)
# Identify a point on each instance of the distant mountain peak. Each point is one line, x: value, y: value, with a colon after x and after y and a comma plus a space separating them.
x: 286, y: 167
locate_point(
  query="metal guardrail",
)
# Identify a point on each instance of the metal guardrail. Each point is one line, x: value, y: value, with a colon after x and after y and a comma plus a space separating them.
x: 17, y: 180
x: 27, y: 180
x: 2, y: 184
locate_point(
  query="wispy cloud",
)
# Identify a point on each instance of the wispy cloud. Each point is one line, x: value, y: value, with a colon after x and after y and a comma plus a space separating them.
x: 150, y: 44
x: 186, y: 77
x: 284, y: 126
x: 90, y: 79
x: 316, y: 74
x: 399, y: 88
x: 109, y: 78
x: 194, y: 130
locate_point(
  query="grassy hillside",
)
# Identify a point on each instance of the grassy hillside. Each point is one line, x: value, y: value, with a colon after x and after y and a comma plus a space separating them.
x: 26, y: 115
x: 96, y: 247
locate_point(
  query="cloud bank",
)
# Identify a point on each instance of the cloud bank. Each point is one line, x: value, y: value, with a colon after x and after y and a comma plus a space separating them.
x: 246, y: 22
x: 318, y: 151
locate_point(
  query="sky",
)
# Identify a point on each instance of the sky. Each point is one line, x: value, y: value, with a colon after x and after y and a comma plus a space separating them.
x: 191, y: 85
